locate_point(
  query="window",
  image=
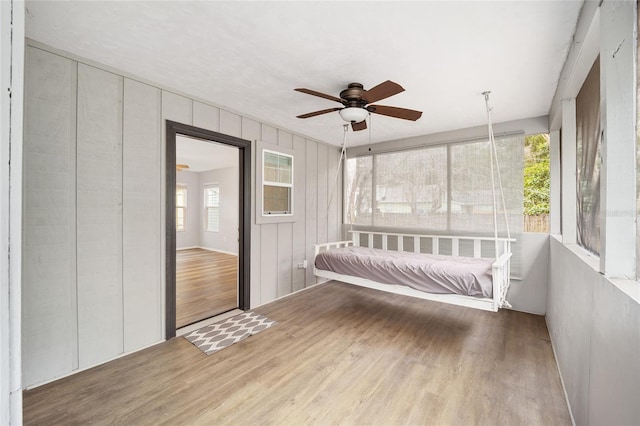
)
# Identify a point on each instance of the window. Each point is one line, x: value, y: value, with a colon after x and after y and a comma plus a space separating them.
x: 359, y: 190
x: 411, y: 188
x: 212, y: 207
x: 277, y: 183
x: 181, y: 207
x: 588, y: 161
x: 536, y: 183
x: 439, y: 188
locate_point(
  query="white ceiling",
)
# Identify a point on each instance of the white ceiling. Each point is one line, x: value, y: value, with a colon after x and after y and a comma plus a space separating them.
x: 203, y: 156
x: 249, y: 56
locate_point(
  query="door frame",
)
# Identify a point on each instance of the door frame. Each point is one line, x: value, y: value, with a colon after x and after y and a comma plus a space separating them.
x: 244, y: 220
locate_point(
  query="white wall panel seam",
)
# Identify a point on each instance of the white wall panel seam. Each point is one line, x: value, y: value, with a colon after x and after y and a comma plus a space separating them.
x: 122, y: 302
x: 74, y: 256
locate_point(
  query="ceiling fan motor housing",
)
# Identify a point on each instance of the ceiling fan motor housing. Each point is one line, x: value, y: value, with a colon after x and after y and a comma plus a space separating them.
x: 353, y: 96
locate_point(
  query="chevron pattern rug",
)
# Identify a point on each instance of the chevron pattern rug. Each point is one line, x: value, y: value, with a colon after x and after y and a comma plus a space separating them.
x: 218, y: 336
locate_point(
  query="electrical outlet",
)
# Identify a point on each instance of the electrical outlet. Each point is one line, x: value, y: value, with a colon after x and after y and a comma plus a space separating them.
x: 302, y: 265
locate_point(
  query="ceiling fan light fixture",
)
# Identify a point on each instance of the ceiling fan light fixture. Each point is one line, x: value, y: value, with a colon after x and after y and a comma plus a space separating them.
x: 353, y: 114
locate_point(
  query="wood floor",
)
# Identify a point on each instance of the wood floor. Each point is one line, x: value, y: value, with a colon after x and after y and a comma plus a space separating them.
x: 339, y: 354
x: 206, y: 285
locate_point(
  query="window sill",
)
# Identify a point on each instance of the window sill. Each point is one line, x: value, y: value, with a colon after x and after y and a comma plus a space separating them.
x: 629, y: 287
x: 260, y: 219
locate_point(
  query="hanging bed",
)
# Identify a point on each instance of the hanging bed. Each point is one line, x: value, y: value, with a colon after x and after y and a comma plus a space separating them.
x: 414, y: 265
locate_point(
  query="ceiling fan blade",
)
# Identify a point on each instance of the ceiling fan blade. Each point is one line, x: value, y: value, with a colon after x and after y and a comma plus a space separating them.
x: 321, y: 95
x: 324, y: 111
x: 405, y: 114
x: 383, y: 91
x: 359, y: 126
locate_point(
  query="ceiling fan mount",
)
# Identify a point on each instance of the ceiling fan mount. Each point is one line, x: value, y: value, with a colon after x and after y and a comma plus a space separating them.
x: 356, y: 99
x: 353, y: 96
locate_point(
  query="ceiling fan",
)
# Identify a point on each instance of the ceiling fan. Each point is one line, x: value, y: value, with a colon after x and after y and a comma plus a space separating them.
x: 180, y: 167
x: 357, y: 102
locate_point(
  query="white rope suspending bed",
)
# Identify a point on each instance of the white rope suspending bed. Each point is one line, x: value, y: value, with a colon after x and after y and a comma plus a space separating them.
x: 402, y: 246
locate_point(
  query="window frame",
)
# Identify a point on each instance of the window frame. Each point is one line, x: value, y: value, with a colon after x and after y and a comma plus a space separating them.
x: 263, y: 217
x: 183, y: 187
x: 206, y: 207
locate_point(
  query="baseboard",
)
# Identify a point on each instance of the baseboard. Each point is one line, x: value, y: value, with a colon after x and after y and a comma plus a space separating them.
x: 207, y: 249
x: 564, y: 389
x: 217, y: 251
x: 80, y: 370
x: 292, y: 293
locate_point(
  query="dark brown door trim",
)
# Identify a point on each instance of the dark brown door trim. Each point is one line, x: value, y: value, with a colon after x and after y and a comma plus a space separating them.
x: 244, y: 148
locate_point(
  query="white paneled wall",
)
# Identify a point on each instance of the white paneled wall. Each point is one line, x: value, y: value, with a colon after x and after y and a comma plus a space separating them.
x: 99, y: 215
x: 94, y: 211
x: 49, y: 331
x: 141, y: 167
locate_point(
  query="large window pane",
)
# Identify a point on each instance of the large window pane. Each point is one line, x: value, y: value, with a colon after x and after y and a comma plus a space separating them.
x: 359, y: 190
x: 536, y: 183
x: 277, y: 199
x: 411, y: 189
x: 471, y: 189
x: 444, y: 188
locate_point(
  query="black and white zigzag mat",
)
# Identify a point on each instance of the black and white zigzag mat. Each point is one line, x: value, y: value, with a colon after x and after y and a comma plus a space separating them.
x: 218, y: 336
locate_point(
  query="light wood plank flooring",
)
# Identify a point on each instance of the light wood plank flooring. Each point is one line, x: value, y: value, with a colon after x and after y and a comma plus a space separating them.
x: 339, y: 354
x: 206, y: 285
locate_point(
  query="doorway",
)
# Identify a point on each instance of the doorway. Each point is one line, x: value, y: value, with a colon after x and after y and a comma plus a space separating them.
x: 208, y: 224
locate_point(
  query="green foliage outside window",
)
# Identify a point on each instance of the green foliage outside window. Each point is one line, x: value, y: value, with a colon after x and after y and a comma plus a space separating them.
x: 536, y: 174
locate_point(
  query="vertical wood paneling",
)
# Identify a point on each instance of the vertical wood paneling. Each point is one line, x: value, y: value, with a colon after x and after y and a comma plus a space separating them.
x: 251, y: 131
x: 299, y: 226
x: 176, y: 108
x: 285, y: 256
x: 285, y: 139
x: 269, y: 134
x: 311, y: 185
x: 99, y: 215
x: 270, y: 268
x: 49, y: 248
x: 269, y: 262
x: 206, y: 116
x: 285, y: 232
x: 230, y: 123
x: 323, y: 178
x: 142, y: 298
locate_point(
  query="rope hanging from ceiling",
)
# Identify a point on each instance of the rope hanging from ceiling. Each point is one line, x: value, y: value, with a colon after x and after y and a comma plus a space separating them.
x: 495, y: 172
